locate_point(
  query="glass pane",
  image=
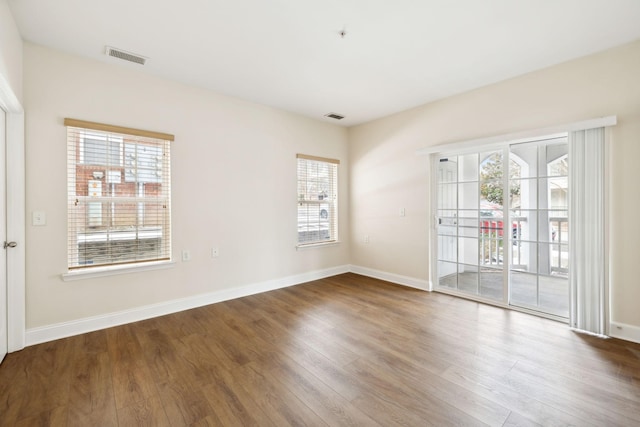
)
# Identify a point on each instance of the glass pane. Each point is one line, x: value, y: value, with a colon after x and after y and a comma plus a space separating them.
x: 468, y: 227
x: 448, y: 170
x: 114, y: 232
x: 557, y: 161
x: 554, y: 226
x: 491, y: 250
x: 447, y: 194
x: 523, y: 194
x: 554, y: 295
x: 554, y: 193
x: 98, y: 151
x: 121, y: 220
x: 447, y: 218
x: 490, y: 227
x: 524, y: 160
x: 313, y: 222
x: 447, y: 274
x: 524, y: 225
x: 447, y: 230
x: 468, y: 196
x: 559, y: 227
x: 447, y: 222
x: 468, y: 278
x: 491, y: 197
x: 468, y: 167
x: 468, y: 213
x: 468, y: 250
x: 524, y: 289
x: 143, y: 163
x: 559, y: 259
x: 491, y: 166
x: 491, y: 283
x: 447, y: 249
x: 524, y: 256
x: 492, y: 186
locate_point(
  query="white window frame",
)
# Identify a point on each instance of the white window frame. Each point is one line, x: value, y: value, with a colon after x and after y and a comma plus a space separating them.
x: 119, y: 135
x: 315, y: 198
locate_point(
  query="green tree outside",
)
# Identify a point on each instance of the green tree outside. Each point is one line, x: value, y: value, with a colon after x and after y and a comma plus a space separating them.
x: 491, y: 173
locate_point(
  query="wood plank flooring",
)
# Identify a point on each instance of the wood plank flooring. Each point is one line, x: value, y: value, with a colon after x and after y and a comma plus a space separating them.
x: 347, y: 350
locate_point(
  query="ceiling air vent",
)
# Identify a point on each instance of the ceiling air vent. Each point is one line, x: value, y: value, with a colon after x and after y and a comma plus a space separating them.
x: 127, y: 56
x: 334, y: 116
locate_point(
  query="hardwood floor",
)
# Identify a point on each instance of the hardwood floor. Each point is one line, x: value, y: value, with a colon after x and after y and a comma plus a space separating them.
x: 346, y: 350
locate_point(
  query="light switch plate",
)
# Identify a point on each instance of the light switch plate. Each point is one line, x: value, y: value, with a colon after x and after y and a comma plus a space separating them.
x: 39, y: 218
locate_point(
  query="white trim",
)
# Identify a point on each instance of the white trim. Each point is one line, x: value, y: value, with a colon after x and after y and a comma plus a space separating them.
x: 517, y: 137
x: 15, y: 170
x: 16, y: 264
x: 412, y: 282
x: 93, y: 272
x: 90, y: 324
x: 94, y: 323
x: 317, y: 245
x: 624, y: 332
x: 8, y: 100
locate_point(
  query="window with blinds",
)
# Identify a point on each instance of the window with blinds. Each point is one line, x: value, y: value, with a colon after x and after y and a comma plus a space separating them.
x: 317, y: 200
x: 119, y: 195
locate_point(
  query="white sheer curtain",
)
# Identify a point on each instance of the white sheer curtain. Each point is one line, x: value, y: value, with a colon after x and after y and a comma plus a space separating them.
x: 587, y: 234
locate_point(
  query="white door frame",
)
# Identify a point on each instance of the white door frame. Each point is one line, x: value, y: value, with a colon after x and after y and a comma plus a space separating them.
x: 15, y: 203
x: 499, y: 141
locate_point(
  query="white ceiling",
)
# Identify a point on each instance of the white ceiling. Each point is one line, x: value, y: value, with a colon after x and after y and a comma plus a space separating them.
x: 289, y: 54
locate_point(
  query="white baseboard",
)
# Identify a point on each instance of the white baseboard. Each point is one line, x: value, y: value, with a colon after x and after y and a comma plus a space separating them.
x: 94, y: 323
x: 423, y: 285
x: 66, y: 329
x: 624, y: 332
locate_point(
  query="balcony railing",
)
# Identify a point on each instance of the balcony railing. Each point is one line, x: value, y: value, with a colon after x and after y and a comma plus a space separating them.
x: 553, y: 252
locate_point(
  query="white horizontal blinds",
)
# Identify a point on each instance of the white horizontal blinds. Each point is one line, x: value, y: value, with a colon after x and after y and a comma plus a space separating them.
x: 119, y: 195
x: 317, y: 200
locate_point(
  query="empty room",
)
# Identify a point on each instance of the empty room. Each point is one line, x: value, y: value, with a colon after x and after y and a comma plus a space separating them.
x: 331, y: 213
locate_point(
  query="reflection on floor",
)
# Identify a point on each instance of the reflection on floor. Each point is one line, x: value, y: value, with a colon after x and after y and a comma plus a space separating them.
x: 549, y: 295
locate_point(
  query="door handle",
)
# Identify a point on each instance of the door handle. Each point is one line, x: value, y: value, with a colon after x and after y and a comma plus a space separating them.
x: 10, y: 245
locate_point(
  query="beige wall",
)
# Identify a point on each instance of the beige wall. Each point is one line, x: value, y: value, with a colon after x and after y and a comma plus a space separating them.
x: 10, y: 50
x: 241, y: 202
x: 234, y: 185
x: 386, y: 173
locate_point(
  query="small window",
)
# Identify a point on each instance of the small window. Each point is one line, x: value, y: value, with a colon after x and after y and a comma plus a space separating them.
x: 119, y: 195
x: 317, y: 200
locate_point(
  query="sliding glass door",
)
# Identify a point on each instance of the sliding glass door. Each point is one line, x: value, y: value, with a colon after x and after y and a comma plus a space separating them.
x: 540, y: 250
x: 502, y: 231
x: 470, y: 214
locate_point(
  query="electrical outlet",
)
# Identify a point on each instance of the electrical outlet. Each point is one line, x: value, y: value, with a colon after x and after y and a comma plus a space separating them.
x: 366, y: 238
x: 186, y: 256
x: 215, y: 252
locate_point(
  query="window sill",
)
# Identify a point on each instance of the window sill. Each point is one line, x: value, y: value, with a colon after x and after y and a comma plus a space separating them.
x: 91, y: 273
x: 317, y: 245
